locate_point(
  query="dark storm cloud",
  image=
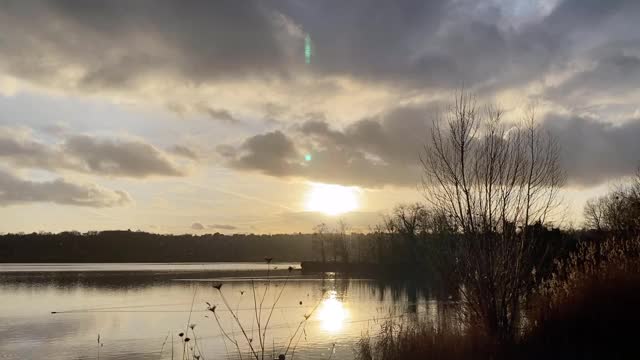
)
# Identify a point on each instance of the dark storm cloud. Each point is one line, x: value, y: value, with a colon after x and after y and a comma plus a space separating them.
x: 372, y: 152
x: 594, y: 151
x: 118, y: 41
x: 443, y: 44
x: 14, y: 190
x: 83, y: 153
x: 440, y: 43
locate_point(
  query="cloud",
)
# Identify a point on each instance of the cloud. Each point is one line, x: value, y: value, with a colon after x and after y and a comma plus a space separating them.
x: 21, y: 149
x: 372, y: 152
x: 219, y: 114
x: 228, y: 58
x: 14, y: 190
x: 226, y: 150
x: 119, y: 158
x: 273, y: 153
x: 89, y: 154
x: 114, y: 41
x: 384, y: 150
x: 197, y: 226
x: 611, y: 78
x: 184, y: 151
x: 222, y: 227
x: 594, y: 151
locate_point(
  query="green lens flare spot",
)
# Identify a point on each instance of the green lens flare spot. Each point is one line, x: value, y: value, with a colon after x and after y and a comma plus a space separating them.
x: 307, y: 49
x: 307, y: 157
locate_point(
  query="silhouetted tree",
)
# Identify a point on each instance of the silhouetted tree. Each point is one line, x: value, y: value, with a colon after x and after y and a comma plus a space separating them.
x: 320, y: 233
x: 485, y: 177
x: 617, y: 212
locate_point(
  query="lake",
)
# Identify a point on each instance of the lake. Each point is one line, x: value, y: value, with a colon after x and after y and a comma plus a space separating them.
x: 57, y: 311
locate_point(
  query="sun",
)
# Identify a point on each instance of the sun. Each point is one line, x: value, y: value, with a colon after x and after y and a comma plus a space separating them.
x: 332, y: 199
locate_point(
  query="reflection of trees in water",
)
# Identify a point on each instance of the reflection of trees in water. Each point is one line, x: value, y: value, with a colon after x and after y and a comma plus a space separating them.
x: 336, y: 282
x: 118, y: 280
x: 413, y: 299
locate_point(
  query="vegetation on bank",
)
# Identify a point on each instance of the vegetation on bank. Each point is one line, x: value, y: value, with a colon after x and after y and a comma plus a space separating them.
x: 586, y: 309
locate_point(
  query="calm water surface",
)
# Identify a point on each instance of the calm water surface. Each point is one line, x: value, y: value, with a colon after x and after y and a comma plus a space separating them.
x: 138, y: 309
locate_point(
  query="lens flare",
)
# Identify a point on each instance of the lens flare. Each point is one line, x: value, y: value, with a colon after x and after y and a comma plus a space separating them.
x: 308, y: 51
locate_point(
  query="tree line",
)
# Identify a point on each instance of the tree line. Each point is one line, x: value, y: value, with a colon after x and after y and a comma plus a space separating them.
x: 138, y: 246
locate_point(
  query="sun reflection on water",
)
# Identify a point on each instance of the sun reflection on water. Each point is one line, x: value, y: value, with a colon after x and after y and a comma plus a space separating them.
x: 332, y: 313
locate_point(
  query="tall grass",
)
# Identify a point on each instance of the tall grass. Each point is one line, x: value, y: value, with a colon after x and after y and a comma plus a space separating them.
x: 258, y: 349
x: 407, y: 339
x: 588, y: 309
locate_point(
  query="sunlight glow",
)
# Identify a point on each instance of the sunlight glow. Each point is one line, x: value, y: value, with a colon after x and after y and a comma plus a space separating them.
x: 332, y: 313
x: 332, y: 199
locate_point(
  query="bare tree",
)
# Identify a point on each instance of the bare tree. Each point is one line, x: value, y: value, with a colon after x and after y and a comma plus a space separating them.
x: 594, y: 214
x: 414, y: 226
x: 618, y: 211
x: 320, y: 233
x: 409, y: 223
x: 342, y: 241
x: 492, y: 182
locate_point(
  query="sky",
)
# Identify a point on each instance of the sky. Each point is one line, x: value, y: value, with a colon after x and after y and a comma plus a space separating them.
x: 205, y: 116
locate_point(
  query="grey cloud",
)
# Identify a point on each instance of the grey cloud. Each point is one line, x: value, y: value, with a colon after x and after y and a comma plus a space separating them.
x: 273, y: 153
x: 226, y: 151
x: 384, y: 150
x: 14, y: 190
x: 55, y: 129
x: 22, y: 150
x: 132, y: 158
x: 184, y: 151
x: 117, y: 42
x: 120, y: 158
x: 219, y: 114
x: 372, y: 152
x: 216, y: 114
x: 197, y: 226
x: 442, y: 44
x: 613, y: 75
x: 222, y: 227
x: 594, y: 151
x: 417, y: 43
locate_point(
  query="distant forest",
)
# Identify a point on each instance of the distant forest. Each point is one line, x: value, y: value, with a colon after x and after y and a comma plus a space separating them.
x: 137, y: 246
x: 391, y: 246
